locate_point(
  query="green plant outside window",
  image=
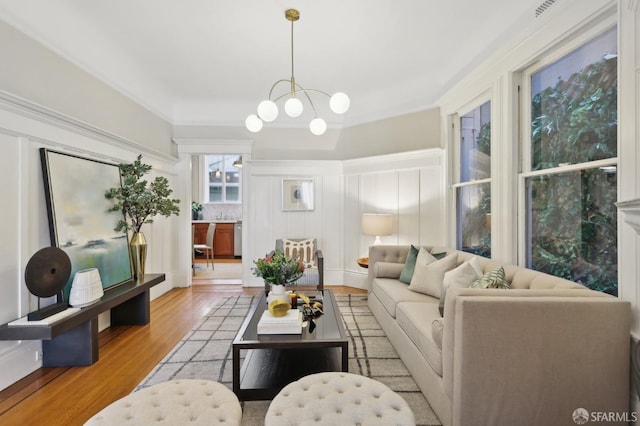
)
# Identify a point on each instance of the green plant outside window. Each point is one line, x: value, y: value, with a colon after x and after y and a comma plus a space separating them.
x: 572, y: 220
x: 473, y: 194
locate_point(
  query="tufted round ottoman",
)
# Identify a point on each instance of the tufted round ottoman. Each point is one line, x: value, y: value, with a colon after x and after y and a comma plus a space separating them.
x: 338, y: 399
x: 178, y: 402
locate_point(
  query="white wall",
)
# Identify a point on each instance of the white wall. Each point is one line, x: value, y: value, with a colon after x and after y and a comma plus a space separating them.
x: 407, y: 185
x: 35, y: 73
x: 266, y: 222
x: 25, y: 227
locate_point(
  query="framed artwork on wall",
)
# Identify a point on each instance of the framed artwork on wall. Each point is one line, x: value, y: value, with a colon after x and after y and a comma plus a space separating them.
x: 297, y: 195
x: 80, y: 222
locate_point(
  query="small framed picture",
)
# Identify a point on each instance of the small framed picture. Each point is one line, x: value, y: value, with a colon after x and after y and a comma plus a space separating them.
x: 297, y: 195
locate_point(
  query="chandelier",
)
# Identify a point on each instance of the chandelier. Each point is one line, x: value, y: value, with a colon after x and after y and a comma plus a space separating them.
x: 293, y: 107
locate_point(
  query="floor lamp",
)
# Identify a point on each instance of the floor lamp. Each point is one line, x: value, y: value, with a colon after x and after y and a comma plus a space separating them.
x: 377, y: 225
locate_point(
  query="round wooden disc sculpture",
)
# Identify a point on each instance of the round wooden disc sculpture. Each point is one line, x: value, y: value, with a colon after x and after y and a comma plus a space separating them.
x: 47, y: 272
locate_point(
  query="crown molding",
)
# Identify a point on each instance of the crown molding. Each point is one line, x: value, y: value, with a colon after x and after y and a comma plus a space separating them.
x: 396, y: 161
x: 41, y: 113
x: 213, y: 146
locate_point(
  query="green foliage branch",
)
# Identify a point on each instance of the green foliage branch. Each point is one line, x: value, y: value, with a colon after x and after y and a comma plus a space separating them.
x: 575, y: 121
x: 139, y: 199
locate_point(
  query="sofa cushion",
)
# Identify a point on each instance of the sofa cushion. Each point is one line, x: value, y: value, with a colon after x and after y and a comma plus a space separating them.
x: 390, y: 292
x: 409, y: 265
x: 492, y: 279
x: 437, y: 327
x: 462, y: 276
x: 416, y: 320
x: 429, y: 273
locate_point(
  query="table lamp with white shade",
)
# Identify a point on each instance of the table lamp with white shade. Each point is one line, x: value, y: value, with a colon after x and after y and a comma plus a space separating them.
x: 377, y: 225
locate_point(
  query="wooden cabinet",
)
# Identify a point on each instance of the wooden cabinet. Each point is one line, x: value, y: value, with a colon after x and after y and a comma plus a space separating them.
x: 222, y: 240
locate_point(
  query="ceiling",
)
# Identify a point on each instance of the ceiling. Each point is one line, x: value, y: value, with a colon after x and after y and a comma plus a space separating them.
x: 210, y: 62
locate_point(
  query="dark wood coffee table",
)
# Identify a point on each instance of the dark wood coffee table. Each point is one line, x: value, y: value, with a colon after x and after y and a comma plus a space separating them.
x: 265, y: 363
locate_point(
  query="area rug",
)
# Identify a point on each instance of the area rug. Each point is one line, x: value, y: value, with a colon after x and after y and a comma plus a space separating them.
x: 205, y: 353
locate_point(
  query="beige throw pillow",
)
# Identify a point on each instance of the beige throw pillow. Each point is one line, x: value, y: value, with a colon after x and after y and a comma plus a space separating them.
x: 302, y: 249
x: 429, y: 273
x: 460, y: 277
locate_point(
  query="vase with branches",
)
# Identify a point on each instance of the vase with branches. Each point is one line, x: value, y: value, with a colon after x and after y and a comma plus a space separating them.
x: 141, y: 201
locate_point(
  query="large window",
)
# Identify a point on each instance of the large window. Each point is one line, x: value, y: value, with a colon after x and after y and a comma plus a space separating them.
x: 223, y: 179
x: 569, y: 165
x: 473, y: 186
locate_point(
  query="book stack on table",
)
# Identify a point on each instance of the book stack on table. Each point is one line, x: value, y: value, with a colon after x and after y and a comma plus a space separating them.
x: 291, y: 323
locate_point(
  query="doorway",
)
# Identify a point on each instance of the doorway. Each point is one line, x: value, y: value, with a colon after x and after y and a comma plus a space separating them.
x: 216, y: 221
x: 190, y: 151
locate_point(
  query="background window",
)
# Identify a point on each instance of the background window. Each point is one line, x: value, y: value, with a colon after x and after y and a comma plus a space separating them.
x: 473, y: 189
x: 571, y: 180
x: 223, y: 179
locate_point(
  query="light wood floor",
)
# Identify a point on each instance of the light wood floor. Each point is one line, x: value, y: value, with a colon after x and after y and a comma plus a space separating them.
x: 70, y: 396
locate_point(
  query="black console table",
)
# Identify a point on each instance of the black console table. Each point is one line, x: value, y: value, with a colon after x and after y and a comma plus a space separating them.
x: 73, y: 340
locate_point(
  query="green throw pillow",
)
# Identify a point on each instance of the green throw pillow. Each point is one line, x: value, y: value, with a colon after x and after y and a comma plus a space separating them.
x: 492, y: 279
x: 439, y: 255
x: 409, y: 265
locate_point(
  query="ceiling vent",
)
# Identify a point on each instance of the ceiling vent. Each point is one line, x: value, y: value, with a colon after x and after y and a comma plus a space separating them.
x: 544, y: 6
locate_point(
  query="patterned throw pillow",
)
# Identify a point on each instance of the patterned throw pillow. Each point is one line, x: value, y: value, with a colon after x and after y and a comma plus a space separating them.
x: 492, y: 279
x: 303, y: 249
x: 409, y: 265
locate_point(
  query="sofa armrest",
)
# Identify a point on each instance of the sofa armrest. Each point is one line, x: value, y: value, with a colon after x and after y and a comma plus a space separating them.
x: 537, y: 355
x: 387, y: 270
x: 386, y: 253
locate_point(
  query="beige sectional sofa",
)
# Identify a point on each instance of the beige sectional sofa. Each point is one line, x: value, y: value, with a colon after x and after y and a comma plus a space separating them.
x: 528, y: 355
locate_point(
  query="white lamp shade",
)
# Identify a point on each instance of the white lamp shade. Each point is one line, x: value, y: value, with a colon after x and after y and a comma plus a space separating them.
x: 86, y: 288
x: 267, y: 111
x: 253, y: 123
x: 339, y: 103
x: 377, y: 224
x: 318, y: 126
x: 293, y: 107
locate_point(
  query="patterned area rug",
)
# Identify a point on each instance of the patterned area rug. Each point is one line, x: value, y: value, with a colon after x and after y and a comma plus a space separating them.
x: 205, y: 353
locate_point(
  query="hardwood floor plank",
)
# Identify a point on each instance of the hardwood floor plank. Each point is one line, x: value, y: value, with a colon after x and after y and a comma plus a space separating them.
x: 71, y: 395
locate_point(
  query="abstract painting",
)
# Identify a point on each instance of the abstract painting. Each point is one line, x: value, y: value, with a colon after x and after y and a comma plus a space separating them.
x: 80, y: 222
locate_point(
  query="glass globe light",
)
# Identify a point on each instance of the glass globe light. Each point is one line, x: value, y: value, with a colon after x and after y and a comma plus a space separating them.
x: 318, y: 126
x: 339, y: 103
x: 293, y: 107
x: 267, y: 111
x: 253, y: 123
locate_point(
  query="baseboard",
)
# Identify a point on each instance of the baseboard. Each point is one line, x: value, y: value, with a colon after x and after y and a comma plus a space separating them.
x: 355, y: 279
x: 24, y: 357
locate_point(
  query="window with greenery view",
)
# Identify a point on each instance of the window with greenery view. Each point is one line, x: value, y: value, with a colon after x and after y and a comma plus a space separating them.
x: 570, y: 178
x: 223, y: 179
x: 473, y: 188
